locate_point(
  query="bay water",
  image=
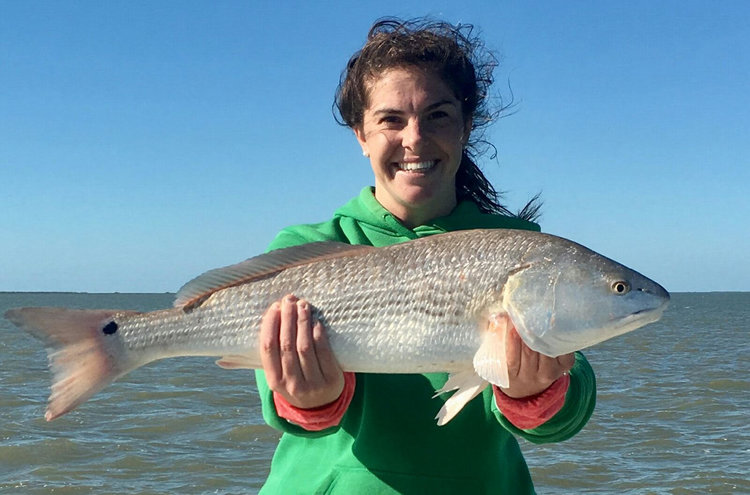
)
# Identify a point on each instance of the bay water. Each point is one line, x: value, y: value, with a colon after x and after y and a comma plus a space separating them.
x: 672, y: 415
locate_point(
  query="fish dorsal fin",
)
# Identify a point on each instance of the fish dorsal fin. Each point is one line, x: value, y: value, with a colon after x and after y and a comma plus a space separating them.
x: 198, y: 289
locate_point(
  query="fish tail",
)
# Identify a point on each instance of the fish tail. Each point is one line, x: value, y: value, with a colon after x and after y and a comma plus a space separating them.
x: 80, y: 358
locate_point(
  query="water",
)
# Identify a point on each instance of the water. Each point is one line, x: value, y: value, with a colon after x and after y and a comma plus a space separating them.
x: 673, y: 415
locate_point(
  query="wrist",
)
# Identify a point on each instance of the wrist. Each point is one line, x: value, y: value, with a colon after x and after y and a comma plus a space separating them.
x: 530, y: 412
x: 320, y: 417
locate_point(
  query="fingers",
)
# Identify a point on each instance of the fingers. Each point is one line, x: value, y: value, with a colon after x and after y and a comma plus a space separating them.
x: 306, y: 346
x: 531, y: 372
x: 290, y: 362
x: 515, y: 353
x: 270, y: 355
x: 329, y: 366
x: 567, y: 361
x: 278, y: 341
x: 318, y: 362
x: 550, y: 369
x: 296, y: 355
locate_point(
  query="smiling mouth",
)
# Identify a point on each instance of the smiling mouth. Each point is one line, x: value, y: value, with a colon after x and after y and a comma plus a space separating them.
x: 417, y: 166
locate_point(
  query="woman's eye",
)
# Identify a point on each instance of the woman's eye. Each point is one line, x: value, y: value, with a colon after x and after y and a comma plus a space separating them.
x: 390, y: 120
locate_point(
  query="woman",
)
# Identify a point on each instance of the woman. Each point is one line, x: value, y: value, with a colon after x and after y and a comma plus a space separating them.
x: 414, y: 97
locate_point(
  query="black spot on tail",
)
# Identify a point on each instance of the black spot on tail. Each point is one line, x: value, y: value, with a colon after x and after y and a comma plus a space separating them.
x: 110, y: 328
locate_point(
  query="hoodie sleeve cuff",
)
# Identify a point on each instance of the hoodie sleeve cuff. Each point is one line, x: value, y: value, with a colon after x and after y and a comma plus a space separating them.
x: 318, y: 418
x: 530, y: 412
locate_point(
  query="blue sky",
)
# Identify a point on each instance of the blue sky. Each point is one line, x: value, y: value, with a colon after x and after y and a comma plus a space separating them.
x: 142, y: 143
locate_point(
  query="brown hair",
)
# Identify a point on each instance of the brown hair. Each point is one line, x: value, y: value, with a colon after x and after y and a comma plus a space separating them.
x: 461, y: 61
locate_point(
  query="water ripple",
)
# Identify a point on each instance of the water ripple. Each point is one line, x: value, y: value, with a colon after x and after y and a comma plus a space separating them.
x: 672, y: 415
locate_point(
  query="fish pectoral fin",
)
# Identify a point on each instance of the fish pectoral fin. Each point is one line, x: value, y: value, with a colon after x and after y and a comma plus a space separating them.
x: 236, y: 362
x: 490, y: 361
x: 467, y: 385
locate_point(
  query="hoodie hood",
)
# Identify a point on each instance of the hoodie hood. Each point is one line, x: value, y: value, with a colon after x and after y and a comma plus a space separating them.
x: 365, y: 221
x: 371, y: 216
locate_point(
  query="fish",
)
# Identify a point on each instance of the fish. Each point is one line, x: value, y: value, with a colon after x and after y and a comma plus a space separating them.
x: 441, y: 303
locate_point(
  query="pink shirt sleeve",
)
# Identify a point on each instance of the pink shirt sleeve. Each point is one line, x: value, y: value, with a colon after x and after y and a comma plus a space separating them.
x: 525, y: 413
x: 318, y: 418
x: 529, y: 412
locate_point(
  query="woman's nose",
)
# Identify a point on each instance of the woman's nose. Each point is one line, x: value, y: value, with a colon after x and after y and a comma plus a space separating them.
x: 412, y: 135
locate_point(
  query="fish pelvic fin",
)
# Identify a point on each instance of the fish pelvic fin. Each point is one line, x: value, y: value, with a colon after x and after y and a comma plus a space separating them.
x: 467, y: 385
x: 237, y: 362
x: 490, y: 361
x: 80, y: 358
x: 490, y: 367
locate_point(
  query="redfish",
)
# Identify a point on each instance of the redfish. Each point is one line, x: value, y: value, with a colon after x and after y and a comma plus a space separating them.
x: 416, y: 307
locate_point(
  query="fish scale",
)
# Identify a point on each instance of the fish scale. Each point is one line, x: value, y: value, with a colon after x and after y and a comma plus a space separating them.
x: 383, y: 310
x: 441, y: 303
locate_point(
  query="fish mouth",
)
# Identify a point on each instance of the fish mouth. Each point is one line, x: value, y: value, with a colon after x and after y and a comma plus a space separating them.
x: 656, y: 308
x: 652, y: 314
x: 637, y: 320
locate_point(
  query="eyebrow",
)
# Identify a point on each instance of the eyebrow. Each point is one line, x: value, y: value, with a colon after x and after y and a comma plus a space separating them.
x: 427, y: 109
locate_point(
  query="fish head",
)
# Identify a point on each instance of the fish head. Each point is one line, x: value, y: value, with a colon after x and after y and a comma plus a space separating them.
x: 565, y: 297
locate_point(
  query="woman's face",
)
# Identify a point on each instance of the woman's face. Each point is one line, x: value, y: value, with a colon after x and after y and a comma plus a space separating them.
x: 414, y: 132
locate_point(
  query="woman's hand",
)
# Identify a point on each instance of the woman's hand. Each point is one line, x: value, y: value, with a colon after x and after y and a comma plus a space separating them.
x: 530, y: 372
x: 296, y: 357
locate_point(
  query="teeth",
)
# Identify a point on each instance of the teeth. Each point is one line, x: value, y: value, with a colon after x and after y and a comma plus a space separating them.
x: 412, y: 166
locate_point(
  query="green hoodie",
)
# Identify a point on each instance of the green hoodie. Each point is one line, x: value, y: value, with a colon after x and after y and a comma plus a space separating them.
x: 388, y: 441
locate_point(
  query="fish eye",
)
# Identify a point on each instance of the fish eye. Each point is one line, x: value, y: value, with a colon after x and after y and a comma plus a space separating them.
x: 620, y: 287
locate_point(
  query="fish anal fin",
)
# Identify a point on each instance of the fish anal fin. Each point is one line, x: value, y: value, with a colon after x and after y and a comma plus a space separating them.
x: 467, y: 385
x: 236, y: 362
x: 197, y: 290
x: 490, y: 361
